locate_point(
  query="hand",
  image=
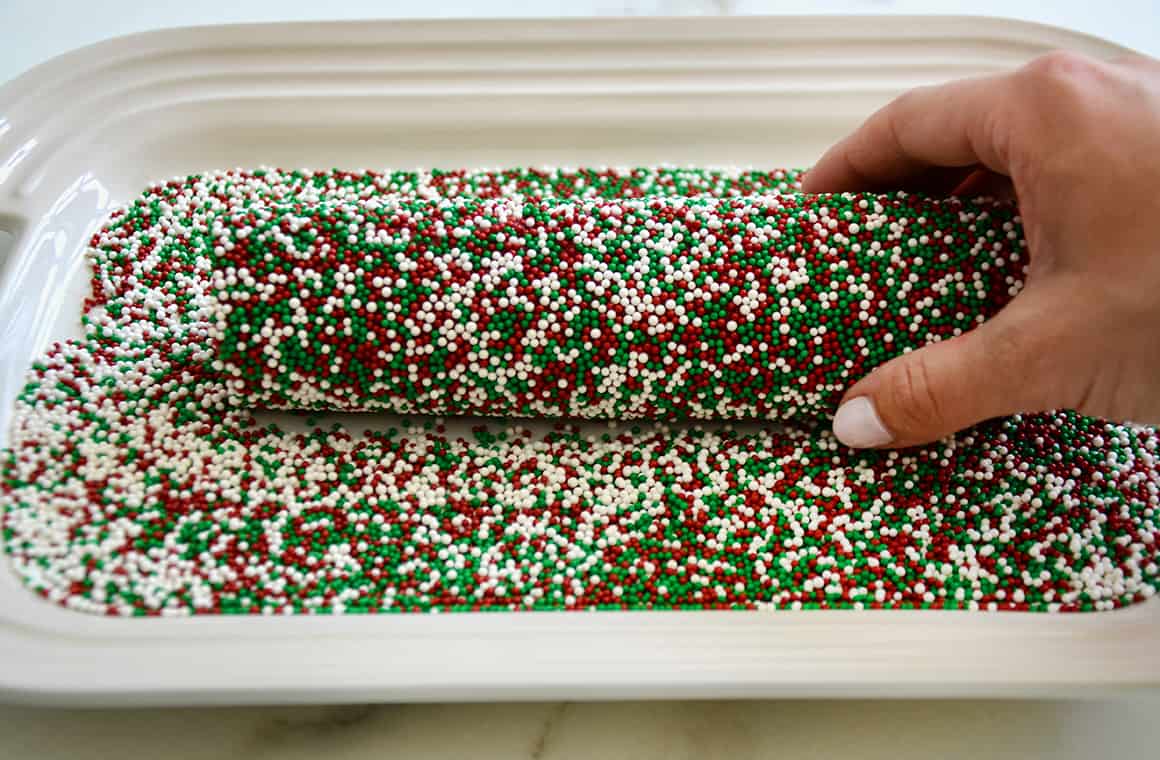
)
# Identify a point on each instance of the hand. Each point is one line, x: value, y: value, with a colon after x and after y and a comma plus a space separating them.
x: 1077, y: 142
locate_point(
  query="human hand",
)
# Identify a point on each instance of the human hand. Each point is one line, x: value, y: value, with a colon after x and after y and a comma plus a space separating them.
x: 1077, y: 141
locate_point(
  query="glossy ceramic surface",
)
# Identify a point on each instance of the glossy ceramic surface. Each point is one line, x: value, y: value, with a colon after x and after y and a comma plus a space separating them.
x: 86, y: 131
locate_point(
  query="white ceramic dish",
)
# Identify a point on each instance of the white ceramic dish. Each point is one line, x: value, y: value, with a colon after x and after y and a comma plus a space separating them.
x: 87, y: 130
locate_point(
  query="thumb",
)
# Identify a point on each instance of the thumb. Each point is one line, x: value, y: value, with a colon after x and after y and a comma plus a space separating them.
x: 937, y: 390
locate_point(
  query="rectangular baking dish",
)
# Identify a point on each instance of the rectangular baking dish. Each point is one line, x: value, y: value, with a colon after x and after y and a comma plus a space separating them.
x: 86, y: 131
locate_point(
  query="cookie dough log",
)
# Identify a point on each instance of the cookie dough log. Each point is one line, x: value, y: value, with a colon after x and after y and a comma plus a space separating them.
x: 663, y: 308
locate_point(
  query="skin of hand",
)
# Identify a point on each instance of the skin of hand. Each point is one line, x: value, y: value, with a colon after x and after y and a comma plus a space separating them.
x: 1076, y: 142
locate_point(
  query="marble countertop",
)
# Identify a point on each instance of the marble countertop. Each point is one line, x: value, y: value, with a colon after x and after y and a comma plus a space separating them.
x: 34, y: 31
x: 898, y: 730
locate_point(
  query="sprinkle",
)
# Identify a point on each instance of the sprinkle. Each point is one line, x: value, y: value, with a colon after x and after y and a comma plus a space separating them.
x: 141, y: 480
x: 555, y: 308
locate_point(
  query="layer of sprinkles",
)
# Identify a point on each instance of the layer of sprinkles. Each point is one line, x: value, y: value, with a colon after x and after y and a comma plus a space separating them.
x: 141, y: 480
x: 653, y: 308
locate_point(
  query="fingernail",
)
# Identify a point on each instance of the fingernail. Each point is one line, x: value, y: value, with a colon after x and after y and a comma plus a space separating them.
x: 858, y: 425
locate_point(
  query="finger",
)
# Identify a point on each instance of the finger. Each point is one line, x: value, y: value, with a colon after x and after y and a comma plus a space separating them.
x: 959, y: 124
x: 940, y: 389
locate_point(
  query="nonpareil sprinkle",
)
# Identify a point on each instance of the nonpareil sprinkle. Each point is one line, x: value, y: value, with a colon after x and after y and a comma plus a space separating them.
x: 652, y: 308
x: 139, y: 481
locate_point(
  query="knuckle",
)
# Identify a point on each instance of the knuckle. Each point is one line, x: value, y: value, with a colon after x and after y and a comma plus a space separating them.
x: 914, y: 401
x: 900, y: 111
x: 904, y: 101
x: 1059, y: 67
x: 1062, y: 78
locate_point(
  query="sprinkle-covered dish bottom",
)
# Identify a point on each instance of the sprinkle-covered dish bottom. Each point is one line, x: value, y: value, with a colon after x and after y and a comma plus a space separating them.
x: 636, y: 369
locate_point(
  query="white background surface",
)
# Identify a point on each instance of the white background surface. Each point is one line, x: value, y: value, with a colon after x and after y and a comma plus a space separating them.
x: 31, y: 31
x: 34, y: 30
